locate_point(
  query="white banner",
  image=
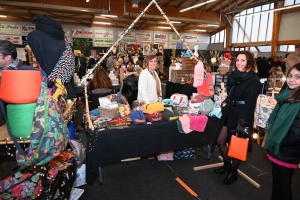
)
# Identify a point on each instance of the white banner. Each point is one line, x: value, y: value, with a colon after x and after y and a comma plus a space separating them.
x: 103, y: 43
x: 190, y: 38
x: 163, y: 44
x: 27, y: 29
x: 174, y: 37
x: 172, y: 45
x: 144, y: 42
x: 143, y: 36
x: 104, y: 34
x: 82, y: 33
x: 160, y: 37
x: 16, y: 39
x: 204, y: 39
x: 10, y: 29
x: 128, y: 36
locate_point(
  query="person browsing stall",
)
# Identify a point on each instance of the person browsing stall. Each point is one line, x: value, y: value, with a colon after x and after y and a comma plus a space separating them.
x: 130, y: 85
x: 283, y: 138
x: 100, y: 80
x: 243, y: 88
x: 8, y: 55
x: 149, y: 87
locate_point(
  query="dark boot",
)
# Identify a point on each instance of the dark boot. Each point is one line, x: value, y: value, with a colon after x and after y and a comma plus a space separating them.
x: 225, y: 168
x: 232, y: 176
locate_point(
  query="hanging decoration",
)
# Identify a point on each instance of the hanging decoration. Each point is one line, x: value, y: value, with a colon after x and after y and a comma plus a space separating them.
x: 126, y: 31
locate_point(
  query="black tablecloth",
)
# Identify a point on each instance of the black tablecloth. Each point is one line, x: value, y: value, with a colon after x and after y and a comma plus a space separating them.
x: 172, y: 88
x: 109, y: 146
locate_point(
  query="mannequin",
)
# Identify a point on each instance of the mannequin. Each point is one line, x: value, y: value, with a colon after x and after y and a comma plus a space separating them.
x: 48, y: 45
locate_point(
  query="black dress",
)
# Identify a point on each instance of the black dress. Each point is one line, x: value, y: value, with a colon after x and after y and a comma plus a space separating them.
x: 247, y: 91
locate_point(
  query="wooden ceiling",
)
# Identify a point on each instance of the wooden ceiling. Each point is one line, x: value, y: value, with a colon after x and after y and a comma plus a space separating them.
x: 82, y: 13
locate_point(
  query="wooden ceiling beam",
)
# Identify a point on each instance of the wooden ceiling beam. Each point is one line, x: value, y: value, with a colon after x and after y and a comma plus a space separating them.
x: 30, y: 15
x: 184, y: 27
x: 212, y: 5
x: 143, y: 23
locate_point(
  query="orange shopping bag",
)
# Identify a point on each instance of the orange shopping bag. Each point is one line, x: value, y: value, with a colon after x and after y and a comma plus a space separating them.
x: 238, y: 148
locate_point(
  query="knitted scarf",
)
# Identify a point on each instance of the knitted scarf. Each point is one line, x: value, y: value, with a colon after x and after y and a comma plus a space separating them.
x: 236, y: 77
x: 280, y: 121
x: 65, y: 67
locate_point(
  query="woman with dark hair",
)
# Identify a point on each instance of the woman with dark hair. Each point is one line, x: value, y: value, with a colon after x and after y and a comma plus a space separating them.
x: 100, y: 80
x: 149, y: 89
x: 130, y: 85
x: 243, y: 88
x: 283, y: 139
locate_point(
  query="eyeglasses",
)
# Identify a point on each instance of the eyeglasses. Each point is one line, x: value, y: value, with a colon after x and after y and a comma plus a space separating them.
x: 297, y: 76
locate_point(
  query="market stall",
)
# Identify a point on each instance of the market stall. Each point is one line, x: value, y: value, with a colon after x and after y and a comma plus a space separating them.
x: 108, y: 146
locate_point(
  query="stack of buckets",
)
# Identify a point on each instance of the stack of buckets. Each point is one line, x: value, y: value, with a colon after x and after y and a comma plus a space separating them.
x: 20, y: 90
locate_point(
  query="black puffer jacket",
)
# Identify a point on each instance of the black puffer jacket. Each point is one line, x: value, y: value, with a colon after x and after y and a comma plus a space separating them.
x: 290, y: 147
x: 130, y: 88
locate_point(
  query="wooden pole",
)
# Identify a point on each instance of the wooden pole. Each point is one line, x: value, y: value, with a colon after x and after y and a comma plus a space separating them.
x: 208, y: 166
x: 88, y: 117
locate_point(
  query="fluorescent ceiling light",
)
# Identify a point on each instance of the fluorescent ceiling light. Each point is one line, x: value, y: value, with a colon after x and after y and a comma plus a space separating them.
x: 87, y: 0
x: 200, y: 30
x: 103, y: 15
x: 197, y: 5
x: 175, y: 22
x: 266, y: 11
x: 215, y: 25
x: 3, y: 16
x: 102, y: 23
x: 164, y: 27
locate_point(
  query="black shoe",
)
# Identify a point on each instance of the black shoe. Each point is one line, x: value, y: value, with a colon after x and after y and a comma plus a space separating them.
x: 232, y: 176
x: 225, y: 168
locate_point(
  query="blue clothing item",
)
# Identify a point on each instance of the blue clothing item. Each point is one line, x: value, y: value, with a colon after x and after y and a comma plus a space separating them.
x: 95, y: 112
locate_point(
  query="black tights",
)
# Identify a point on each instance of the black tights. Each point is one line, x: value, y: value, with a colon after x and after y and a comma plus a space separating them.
x: 222, y: 138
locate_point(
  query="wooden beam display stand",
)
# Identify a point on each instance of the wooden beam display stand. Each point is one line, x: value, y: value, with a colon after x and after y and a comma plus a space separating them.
x: 220, y: 164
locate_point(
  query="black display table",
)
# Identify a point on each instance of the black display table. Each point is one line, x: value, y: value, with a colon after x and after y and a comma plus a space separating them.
x: 110, y: 146
x: 172, y: 88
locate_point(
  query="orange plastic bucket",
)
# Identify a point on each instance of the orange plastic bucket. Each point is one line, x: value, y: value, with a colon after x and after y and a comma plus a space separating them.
x: 20, y: 86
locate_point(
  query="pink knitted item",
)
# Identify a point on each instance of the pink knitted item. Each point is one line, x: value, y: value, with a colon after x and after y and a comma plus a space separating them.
x: 185, y: 123
x: 198, y: 122
x: 166, y: 156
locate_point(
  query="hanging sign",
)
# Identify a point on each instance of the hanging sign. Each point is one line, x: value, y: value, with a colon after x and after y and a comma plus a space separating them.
x: 160, y: 37
x: 128, y: 36
x: 84, y: 42
x: 190, y: 38
x: 27, y: 29
x: 103, y: 43
x: 16, y: 39
x: 174, y: 37
x: 143, y: 36
x: 9, y: 29
x: 179, y: 45
x: 82, y: 33
x: 104, y: 34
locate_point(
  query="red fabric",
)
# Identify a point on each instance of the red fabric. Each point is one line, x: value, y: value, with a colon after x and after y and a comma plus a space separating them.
x: 207, y: 88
